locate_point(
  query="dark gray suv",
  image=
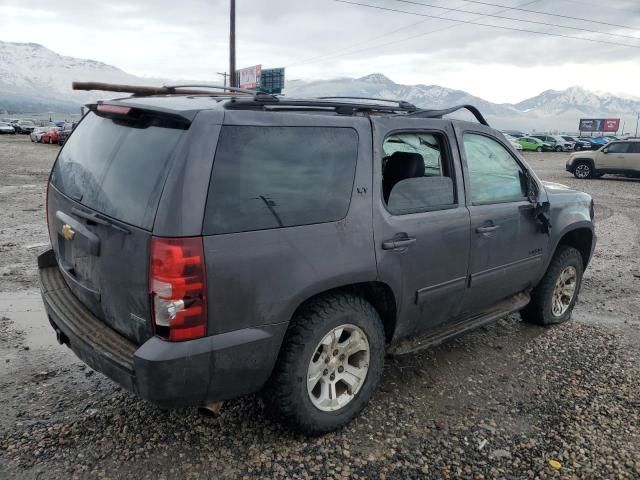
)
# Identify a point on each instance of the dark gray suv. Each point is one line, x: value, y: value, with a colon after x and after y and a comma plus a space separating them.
x: 206, y: 247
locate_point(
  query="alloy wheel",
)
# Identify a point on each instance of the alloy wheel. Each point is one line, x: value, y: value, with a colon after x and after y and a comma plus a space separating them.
x: 564, y: 291
x: 338, y: 368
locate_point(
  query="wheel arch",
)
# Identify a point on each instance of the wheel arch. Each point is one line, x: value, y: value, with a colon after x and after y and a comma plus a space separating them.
x: 378, y: 294
x: 580, y: 238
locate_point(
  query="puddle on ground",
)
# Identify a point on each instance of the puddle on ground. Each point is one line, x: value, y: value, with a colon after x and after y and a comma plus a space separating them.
x: 26, y: 311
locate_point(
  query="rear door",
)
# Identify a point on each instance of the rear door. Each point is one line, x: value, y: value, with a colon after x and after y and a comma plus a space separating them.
x: 507, y: 242
x: 421, y: 224
x: 102, y: 201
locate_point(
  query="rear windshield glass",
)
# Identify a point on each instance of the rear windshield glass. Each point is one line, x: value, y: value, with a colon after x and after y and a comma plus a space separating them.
x: 271, y: 177
x: 116, y: 169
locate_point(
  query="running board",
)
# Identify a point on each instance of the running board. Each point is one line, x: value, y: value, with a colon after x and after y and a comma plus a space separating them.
x: 506, y: 307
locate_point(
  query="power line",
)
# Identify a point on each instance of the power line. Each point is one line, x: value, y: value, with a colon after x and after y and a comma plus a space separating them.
x: 368, y: 42
x: 502, y: 27
x: 553, y: 14
x: 546, y: 24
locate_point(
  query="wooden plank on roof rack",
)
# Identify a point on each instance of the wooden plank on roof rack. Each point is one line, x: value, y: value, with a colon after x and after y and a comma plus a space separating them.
x: 147, y: 90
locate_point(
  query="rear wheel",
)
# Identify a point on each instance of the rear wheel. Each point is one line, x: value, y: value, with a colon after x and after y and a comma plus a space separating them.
x: 539, y: 149
x: 553, y: 299
x: 583, y: 170
x: 330, y: 364
x: 577, y: 148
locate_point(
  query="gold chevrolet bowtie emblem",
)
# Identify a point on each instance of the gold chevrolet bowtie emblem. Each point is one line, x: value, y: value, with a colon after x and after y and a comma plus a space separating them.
x: 67, y: 232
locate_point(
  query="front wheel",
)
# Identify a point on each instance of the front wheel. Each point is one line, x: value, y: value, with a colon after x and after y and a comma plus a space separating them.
x: 330, y: 364
x: 583, y: 170
x: 558, y: 149
x: 553, y: 299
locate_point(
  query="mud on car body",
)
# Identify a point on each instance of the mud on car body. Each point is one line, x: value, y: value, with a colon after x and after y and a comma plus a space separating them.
x: 206, y: 247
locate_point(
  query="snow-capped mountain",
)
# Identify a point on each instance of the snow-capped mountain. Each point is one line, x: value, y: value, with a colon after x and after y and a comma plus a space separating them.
x: 378, y: 85
x: 36, y: 79
x: 551, y: 110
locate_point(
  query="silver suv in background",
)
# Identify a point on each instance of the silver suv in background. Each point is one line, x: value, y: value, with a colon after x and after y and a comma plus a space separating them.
x: 620, y: 157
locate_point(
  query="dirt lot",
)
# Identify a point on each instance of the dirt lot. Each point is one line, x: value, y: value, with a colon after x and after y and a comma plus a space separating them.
x: 497, y: 403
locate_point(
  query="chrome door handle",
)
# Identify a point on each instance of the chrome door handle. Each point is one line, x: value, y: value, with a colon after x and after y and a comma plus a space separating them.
x: 492, y: 228
x: 398, y: 243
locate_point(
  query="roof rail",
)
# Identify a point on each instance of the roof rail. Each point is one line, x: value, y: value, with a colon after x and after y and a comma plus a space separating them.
x: 446, y: 111
x: 341, y: 108
x: 404, y: 105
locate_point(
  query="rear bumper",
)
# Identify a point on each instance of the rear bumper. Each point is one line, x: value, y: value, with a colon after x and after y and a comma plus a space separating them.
x: 170, y: 374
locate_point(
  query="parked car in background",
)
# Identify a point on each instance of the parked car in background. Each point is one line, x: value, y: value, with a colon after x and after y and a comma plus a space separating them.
x: 622, y: 157
x: 533, y: 144
x: 50, y: 136
x: 6, y: 128
x: 37, y: 133
x: 64, y: 132
x: 578, y: 143
x: 512, y: 141
x: 24, y: 127
x: 593, y: 145
x: 558, y: 143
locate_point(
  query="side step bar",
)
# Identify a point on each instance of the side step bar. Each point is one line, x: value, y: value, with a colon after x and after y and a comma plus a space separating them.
x: 506, y: 307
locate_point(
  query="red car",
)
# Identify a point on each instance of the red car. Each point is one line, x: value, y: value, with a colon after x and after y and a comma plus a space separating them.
x: 51, y: 136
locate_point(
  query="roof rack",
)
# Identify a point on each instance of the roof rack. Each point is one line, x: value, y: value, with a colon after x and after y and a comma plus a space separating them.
x: 404, y: 105
x: 217, y: 86
x: 446, y: 111
x: 322, y: 103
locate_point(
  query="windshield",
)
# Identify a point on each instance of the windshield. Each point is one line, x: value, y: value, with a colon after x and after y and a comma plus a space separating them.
x: 116, y: 169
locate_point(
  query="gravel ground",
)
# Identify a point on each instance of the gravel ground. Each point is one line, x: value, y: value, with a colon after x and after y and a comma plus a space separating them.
x: 500, y: 402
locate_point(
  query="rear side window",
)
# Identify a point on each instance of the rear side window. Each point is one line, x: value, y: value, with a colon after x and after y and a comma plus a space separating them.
x: 115, y: 168
x: 271, y: 177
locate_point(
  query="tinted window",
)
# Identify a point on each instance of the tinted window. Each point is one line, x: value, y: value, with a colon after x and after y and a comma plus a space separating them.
x: 270, y: 177
x: 116, y: 169
x: 635, y: 147
x: 416, y: 173
x: 495, y: 176
x: 618, y: 147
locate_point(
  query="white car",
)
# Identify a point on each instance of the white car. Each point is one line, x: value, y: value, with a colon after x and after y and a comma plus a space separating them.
x: 37, y: 133
x: 6, y: 128
x: 512, y: 141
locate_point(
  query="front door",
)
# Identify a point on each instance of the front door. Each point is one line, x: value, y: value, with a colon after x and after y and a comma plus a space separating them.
x: 507, y: 241
x: 421, y: 224
x: 619, y: 156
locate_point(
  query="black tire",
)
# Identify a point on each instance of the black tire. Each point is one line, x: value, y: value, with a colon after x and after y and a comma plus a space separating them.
x: 286, y: 396
x: 583, y: 169
x: 558, y: 148
x: 50, y: 141
x: 539, y: 309
x: 539, y: 149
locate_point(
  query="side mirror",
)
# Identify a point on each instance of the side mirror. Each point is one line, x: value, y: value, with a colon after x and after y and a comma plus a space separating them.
x: 605, y: 150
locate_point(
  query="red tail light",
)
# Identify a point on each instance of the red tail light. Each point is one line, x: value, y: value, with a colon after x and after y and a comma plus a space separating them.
x: 177, y: 283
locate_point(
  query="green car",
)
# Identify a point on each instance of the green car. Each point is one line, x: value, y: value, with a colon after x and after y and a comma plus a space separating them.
x: 534, y: 144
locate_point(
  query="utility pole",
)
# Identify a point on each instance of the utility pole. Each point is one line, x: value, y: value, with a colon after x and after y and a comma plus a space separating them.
x: 224, y: 75
x: 232, y: 44
x: 637, y: 121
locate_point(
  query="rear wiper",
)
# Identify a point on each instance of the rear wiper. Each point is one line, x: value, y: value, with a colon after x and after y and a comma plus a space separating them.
x: 99, y: 219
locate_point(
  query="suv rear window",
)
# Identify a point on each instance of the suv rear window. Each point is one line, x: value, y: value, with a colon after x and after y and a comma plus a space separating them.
x: 271, y: 177
x: 115, y: 168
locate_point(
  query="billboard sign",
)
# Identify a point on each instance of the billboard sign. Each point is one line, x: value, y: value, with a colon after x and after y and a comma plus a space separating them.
x: 249, y: 77
x: 272, y: 80
x: 599, y: 124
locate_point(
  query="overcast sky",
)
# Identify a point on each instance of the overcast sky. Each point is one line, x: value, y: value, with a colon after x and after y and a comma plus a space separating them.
x: 324, y: 39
